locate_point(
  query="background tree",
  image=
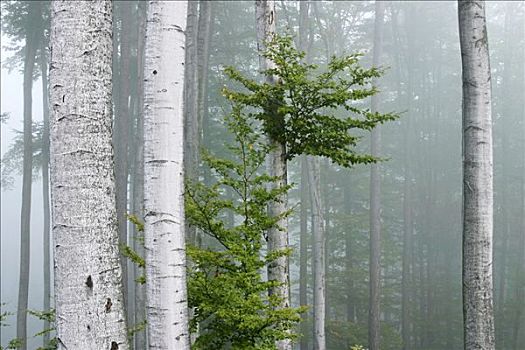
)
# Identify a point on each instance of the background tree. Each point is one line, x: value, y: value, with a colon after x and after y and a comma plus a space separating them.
x: 477, y: 177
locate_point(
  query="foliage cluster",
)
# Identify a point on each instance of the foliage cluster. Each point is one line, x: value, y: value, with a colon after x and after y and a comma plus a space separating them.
x: 299, y: 110
x: 226, y: 288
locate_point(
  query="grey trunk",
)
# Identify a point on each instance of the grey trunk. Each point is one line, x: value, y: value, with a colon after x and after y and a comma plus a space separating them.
x: 478, y: 315
x: 25, y: 215
x: 45, y: 193
x: 375, y: 206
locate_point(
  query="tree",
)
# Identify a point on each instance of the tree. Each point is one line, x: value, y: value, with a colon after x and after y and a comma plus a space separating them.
x: 167, y: 313
x: 375, y: 198
x: 232, y: 308
x: 33, y: 26
x: 88, y: 274
x: 278, y: 235
x: 306, y: 104
x: 477, y: 178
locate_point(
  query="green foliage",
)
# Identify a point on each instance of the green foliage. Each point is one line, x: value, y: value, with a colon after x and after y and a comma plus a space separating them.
x: 130, y: 253
x: 50, y: 317
x: 231, y: 304
x: 298, y: 105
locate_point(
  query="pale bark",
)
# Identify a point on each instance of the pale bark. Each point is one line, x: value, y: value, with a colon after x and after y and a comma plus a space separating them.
x: 203, y: 57
x: 166, y: 300
x: 318, y: 233
x: 88, y: 290
x: 375, y: 205
x: 277, y: 237
x: 25, y: 215
x: 477, y: 178
x: 45, y: 192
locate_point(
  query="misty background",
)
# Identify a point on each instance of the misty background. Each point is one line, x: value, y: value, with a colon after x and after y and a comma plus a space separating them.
x: 420, y: 177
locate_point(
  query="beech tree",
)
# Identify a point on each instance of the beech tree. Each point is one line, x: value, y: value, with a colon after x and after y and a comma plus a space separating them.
x: 478, y: 223
x: 166, y: 301
x: 88, y: 289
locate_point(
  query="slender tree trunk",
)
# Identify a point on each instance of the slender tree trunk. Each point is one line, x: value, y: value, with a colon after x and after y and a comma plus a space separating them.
x: 303, y: 238
x: 25, y: 217
x: 121, y: 136
x: 138, y: 187
x: 203, y: 57
x: 477, y: 178
x: 167, y: 308
x: 319, y: 306
x: 191, y: 103
x: 303, y: 252
x: 45, y: 192
x: 88, y: 275
x: 375, y: 194
x: 277, y: 237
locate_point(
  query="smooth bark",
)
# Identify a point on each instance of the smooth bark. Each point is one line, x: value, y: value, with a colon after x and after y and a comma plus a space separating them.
x: 45, y: 193
x: 478, y: 315
x: 88, y: 289
x: 318, y: 233
x: 121, y: 135
x: 166, y: 295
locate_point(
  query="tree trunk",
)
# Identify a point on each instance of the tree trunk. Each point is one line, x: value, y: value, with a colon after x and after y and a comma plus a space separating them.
x: 477, y: 178
x: 191, y: 92
x: 138, y: 183
x: 25, y: 217
x: 277, y: 237
x: 167, y: 308
x: 303, y: 238
x: 88, y: 289
x: 319, y: 306
x: 45, y: 192
x: 375, y: 194
x: 121, y: 136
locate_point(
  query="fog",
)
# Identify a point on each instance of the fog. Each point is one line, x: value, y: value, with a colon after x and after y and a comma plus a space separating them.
x: 420, y: 172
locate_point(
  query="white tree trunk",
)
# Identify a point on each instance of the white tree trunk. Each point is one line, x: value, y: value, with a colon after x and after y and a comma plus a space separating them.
x: 477, y: 178
x: 277, y: 238
x: 319, y: 307
x: 166, y: 300
x: 88, y: 289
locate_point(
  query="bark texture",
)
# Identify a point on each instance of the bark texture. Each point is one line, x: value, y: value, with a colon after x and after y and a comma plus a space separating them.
x: 277, y: 237
x: 375, y: 198
x: 477, y: 178
x: 88, y: 289
x: 166, y: 296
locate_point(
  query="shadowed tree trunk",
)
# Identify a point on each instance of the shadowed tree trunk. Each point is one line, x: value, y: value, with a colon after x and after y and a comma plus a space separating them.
x: 138, y: 181
x: 375, y: 194
x: 32, y: 31
x: 121, y: 135
x: 477, y: 178
x: 45, y: 191
x: 88, y: 276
